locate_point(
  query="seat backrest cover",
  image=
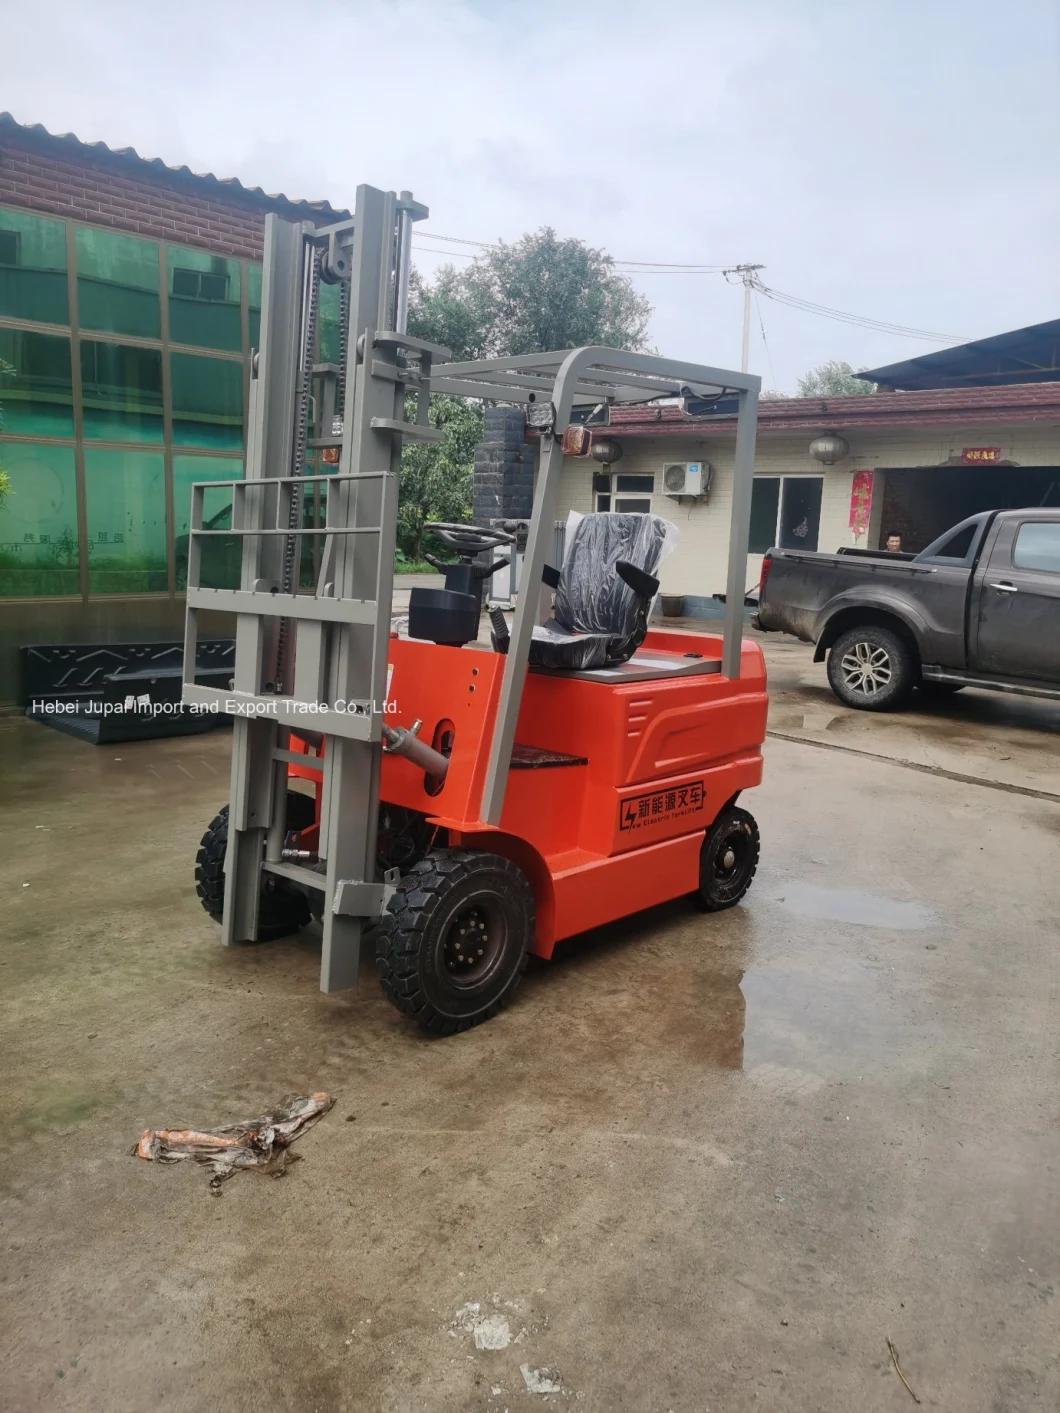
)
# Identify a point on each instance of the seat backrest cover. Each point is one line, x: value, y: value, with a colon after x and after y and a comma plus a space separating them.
x: 591, y: 598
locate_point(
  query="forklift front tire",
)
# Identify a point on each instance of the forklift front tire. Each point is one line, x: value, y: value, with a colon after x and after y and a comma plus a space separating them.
x: 281, y: 910
x: 452, y: 946
x: 728, y: 860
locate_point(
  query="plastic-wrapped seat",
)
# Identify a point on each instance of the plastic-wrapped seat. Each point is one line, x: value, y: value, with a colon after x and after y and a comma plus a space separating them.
x: 604, y: 592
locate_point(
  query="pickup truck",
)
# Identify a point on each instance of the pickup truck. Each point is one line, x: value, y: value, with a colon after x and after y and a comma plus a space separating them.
x: 980, y: 607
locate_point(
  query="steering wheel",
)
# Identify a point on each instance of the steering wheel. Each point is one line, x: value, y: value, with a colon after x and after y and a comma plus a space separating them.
x: 469, y: 540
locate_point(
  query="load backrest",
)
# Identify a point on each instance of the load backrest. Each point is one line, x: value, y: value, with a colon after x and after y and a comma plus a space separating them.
x: 591, y: 597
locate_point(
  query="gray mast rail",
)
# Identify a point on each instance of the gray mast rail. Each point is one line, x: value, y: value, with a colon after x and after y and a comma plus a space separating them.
x: 303, y: 658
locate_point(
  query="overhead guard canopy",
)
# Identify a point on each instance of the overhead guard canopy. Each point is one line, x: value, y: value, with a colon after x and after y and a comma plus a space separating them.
x: 606, y: 376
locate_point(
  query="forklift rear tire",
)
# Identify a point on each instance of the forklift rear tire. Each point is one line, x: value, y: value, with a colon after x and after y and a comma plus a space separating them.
x: 282, y: 910
x: 452, y: 946
x: 728, y: 860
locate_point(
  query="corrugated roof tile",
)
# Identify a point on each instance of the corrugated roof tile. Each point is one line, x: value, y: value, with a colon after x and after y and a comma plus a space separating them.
x: 9, y: 123
x: 1016, y: 402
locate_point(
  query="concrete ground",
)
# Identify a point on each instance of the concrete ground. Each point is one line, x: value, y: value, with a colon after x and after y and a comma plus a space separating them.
x: 702, y: 1163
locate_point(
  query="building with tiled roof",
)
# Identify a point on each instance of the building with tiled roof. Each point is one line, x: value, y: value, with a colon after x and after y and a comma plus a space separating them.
x: 130, y: 297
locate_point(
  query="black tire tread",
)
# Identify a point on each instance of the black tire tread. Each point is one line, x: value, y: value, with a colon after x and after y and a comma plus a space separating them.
x: 727, y: 815
x: 397, y: 934
x: 281, y: 912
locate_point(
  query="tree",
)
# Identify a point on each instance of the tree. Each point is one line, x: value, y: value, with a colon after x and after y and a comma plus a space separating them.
x: 445, y: 312
x: 835, y: 378
x: 536, y: 294
x: 436, y: 476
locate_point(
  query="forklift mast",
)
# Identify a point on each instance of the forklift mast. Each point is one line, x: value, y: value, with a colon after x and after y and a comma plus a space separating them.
x: 314, y: 659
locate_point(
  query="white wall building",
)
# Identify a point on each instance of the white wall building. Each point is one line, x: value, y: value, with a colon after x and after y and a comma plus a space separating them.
x: 915, y: 463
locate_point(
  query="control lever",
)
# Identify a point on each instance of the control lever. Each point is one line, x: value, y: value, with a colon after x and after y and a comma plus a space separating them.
x: 500, y: 636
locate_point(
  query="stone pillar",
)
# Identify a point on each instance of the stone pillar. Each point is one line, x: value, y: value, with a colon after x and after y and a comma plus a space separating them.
x: 504, y: 468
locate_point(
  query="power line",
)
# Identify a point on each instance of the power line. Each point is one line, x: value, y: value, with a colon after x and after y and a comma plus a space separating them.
x: 862, y: 321
x: 438, y: 250
x: 649, y: 266
x: 668, y: 267
x: 765, y: 344
x: 865, y: 321
x: 459, y: 240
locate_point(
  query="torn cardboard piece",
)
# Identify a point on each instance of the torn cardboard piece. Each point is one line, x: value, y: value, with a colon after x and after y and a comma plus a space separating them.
x: 257, y: 1143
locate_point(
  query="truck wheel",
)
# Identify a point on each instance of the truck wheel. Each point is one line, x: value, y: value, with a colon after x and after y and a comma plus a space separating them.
x: 872, y: 669
x: 728, y: 860
x: 282, y: 909
x: 452, y: 946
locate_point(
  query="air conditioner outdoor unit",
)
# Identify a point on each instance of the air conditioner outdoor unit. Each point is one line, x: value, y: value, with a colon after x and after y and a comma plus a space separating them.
x: 687, y: 478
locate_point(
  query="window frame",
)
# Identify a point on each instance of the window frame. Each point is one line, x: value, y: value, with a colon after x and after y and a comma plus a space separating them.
x: 783, y: 477
x: 604, y: 502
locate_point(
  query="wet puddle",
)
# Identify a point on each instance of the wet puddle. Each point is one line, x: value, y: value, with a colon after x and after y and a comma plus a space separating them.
x: 803, y: 1029
x: 852, y: 905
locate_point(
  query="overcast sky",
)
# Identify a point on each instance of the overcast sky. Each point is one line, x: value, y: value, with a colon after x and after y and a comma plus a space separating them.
x: 896, y: 159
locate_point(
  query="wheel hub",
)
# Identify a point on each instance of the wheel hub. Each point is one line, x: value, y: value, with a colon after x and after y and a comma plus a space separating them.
x: 866, y: 668
x: 727, y: 859
x: 471, y: 943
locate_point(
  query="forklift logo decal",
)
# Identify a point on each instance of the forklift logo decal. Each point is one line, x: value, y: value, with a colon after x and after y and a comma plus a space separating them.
x: 661, y: 806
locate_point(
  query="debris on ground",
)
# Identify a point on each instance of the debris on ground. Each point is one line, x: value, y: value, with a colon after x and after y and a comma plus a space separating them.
x: 541, y: 1380
x: 898, y: 1370
x: 494, y: 1328
x: 492, y: 1332
x: 261, y: 1143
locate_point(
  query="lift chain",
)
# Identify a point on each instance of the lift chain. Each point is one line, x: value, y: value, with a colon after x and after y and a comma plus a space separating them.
x: 344, y: 319
x: 310, y: 306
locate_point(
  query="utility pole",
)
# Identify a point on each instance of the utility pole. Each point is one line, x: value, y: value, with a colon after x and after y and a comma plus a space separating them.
x: 746, y: 275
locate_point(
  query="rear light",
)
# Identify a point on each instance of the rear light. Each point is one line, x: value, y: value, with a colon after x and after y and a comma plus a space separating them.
x: 767, y: 565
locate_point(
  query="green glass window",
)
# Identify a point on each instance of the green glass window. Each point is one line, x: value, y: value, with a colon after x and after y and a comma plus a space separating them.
x: 328, y: 323
x: 125, y: 494
x: 254, y: 303
x: 117, y: 283
x: 121, y: 392
x: 33, y: 268
x: 36, y: 399
x: 207, y: 402
x: 219, y: 559
x: 38, y: 522
x: 204, y: 299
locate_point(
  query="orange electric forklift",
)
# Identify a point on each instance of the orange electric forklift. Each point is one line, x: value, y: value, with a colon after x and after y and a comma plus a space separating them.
x: 464, y: 802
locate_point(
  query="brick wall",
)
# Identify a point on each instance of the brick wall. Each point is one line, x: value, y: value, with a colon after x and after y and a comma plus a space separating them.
x: 46, y: 175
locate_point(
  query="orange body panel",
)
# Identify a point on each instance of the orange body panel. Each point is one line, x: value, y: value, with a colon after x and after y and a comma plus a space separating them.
x: 597, y: 840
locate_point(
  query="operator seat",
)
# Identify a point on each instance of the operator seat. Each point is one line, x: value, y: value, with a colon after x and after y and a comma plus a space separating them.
x: 603, y: 592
